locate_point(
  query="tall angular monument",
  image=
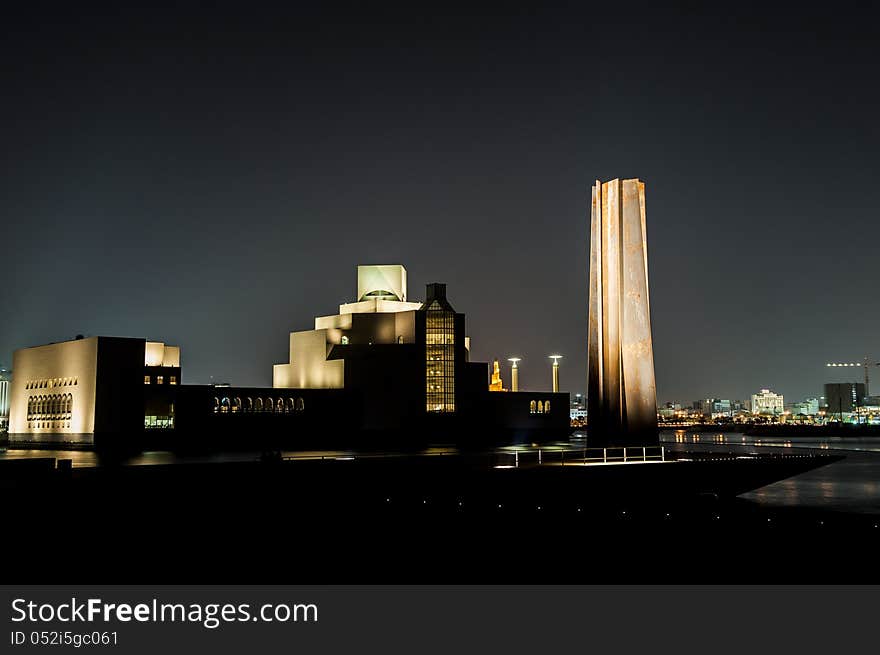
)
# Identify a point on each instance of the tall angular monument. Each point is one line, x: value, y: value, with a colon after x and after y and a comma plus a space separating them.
x: 621, y: 392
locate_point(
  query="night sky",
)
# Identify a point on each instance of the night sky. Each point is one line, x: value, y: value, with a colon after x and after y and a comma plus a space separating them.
x: 212, y: 176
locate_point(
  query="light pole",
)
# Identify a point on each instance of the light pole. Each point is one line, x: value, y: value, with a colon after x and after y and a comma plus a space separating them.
x: 514, y: 373
x: 555, y: 359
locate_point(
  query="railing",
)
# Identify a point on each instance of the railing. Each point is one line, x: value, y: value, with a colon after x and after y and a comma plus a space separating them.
x: 581, y: 456
x: 503, y: 458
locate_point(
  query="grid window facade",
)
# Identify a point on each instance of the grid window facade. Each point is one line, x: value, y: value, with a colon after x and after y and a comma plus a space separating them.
x: 440, y: 359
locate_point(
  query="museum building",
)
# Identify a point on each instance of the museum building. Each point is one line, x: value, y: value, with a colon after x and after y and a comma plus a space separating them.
x: 382, y: 367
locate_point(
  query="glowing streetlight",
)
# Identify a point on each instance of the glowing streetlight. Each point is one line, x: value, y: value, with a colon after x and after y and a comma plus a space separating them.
x: 514, y: 373
x: 555, y: 359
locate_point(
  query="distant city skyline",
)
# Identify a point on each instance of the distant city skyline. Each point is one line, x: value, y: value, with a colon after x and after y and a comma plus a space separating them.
x: 212, y: 180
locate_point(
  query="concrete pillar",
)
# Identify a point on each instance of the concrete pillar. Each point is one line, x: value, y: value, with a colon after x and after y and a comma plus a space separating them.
x: 621, y: 391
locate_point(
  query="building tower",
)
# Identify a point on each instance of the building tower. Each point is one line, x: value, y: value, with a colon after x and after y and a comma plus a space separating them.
x: 496, y: 384
x: 620, y: 382
x: 514, y: 373
x: 555, y: 359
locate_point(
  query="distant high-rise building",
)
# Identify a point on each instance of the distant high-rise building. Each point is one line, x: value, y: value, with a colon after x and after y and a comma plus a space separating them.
x: 669, y: 410
x: 767, y: 402
x: 715, y: 408
x: 808, y: 407
x: 843, y: 397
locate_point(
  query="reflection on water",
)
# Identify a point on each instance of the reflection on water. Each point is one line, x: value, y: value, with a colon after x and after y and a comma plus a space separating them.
x: 87, y: 458
x: 850, y: 485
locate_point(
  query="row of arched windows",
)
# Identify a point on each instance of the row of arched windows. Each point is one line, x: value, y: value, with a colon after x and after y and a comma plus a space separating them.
x: 50, y: 383
x: 539, y: 407
x: 56, y: 407
x: 235, y: 405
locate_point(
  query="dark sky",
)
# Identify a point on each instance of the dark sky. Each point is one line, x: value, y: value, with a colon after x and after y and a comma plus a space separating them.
x: 211, y: 177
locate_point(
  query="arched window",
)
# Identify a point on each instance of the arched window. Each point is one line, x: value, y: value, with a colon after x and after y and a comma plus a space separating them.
x: 224, y: 405
x: 399, y: 338
x: 300, y: 404
x: 30, y: 410
x: 236, y: 404
x: 289, y: 406
x: 258, y: 405
x: 546, y: 406
x: 248, y: 404
x: 67, y: 403
x: 216, y: 404
x: 540, y: 407
x: 532, y: 407
x: 344, y: 340
x: 269, y: 406
x: 279, y: 406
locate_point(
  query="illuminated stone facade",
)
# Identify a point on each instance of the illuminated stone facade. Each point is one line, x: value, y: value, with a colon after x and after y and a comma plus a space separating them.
x: 70, y: 391
x: 622, y: 395
x: 381, y: 315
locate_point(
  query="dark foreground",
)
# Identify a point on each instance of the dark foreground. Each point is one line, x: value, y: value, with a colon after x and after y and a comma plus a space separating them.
x: 426, y: 520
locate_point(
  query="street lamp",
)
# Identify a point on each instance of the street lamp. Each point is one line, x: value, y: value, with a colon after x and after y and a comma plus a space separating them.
x: 555, y: 359
x: 514, y: 373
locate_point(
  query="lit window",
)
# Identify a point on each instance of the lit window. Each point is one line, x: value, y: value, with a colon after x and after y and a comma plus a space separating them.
x: 344, y: 341
x: 160, y: 379
x: 440, y: 359
x: 172, y: 379
x: 146, y: 379
x: 532, y: 407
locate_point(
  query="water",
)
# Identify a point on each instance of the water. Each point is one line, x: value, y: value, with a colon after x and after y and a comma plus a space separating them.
x: 851, y: 485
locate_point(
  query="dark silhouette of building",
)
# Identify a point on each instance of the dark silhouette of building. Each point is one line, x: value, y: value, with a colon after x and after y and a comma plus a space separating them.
x: 844, y: 397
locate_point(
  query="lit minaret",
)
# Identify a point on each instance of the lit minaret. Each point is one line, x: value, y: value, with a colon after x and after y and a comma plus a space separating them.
x: 514, y: 373
x: 555, y: 359
x: 495, y: 384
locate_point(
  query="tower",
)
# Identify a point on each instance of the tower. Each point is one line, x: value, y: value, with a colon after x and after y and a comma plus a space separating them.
x: 555, y: 359
x: 496, y: 383
x: 620, y: 381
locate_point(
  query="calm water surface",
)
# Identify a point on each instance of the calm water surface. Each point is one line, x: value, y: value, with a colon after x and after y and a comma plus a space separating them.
x: 851, y: 485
